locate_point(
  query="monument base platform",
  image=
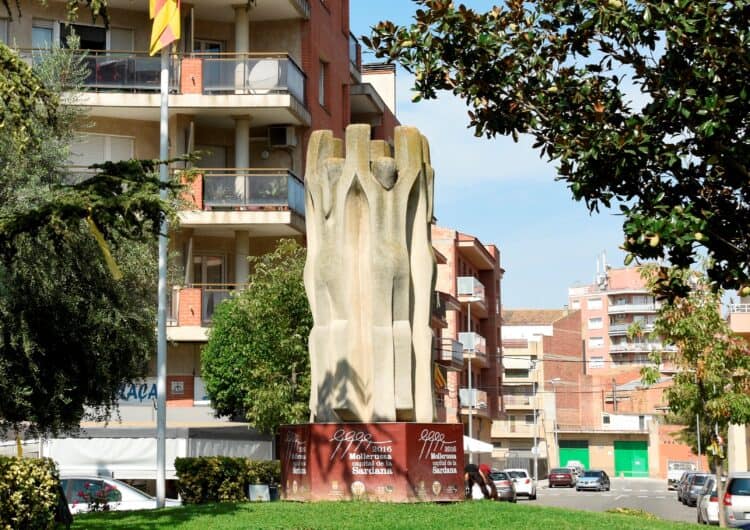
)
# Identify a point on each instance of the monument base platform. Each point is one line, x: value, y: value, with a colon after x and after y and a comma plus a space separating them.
x: 391, y: 462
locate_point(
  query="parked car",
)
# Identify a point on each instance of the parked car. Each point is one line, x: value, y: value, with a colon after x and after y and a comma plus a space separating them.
x: 694, y: 488
x: 594, y: 479
x: 523, y: 482
x: 708, y: 503
x: 562, y: 476
x: 576, y: 466
x: 736, y: 501
x: 114, y: 494
x: 506, y: 490
x: 675, y: 469
x: 682, y: 484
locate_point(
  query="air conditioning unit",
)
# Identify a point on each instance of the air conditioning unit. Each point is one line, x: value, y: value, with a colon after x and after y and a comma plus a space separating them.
x: 282, y: 136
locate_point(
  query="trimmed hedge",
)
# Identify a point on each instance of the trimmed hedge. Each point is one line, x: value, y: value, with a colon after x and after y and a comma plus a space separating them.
x: 29, y: 493
x: 222, y: 478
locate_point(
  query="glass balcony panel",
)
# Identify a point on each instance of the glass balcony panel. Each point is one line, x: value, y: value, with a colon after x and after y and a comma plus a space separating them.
x: 253, y: 75
x: 234, y: 188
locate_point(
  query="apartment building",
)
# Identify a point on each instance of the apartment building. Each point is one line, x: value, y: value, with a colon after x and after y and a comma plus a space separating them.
x: 469, y: 283
x: 618, y: 314
x: 738, y: 442
x: 541, y: 362
x: 249, y: 82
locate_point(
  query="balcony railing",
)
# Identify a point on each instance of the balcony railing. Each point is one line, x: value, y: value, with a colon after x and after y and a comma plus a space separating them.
x: 739, y: 308
x: 562, y: 427
x: 474, y: 344
x: 118, y: 70
x: 637, y: 347
x: 252, y: 74
x: 242, y: 188
x: 211, y: 296
x: 220, y: 73
x: 472, y: 398
x: 622, y: 329
x: 517, y: 400
x: 354, y: 52
x: 632, y: 308
x: 470, y: 286
x: 450, y: 352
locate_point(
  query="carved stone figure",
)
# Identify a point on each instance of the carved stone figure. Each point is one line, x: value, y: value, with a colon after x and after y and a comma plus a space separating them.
x: 369, y: 276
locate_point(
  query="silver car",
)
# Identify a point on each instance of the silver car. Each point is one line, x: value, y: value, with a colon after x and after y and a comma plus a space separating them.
x: 593, y: 480
x: 736, y: 502
x: 708, y: 503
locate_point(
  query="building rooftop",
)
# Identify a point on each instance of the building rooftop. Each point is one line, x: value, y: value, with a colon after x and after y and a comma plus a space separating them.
x: 532, y: 317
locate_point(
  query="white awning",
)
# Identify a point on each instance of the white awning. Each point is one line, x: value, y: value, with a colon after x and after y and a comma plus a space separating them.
x: 472, y: 445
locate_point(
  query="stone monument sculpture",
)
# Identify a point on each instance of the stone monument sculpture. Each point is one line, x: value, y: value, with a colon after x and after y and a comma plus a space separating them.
x: 369, y: 276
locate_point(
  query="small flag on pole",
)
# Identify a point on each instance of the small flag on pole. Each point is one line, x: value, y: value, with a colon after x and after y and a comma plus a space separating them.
x: 166, y: 28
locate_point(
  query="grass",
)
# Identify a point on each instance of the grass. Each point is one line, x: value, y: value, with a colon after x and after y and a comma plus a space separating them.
x: 341, y: 515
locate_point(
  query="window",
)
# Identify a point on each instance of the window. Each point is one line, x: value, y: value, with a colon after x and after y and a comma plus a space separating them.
x: 42, y: 34
x: 91, y: 37
x: 322, y: 72
x: 121, y: 40
x: 575, y: 304
x: 516, y: 372
x: 4, y: 30
x: 595, y: 323
x: 529, y: 419
x: 596, y: 362
x: 98, y: 148
x: 596, y: 342
x: 606, y: 419
x: 208, y: 269
x: 594, y: 303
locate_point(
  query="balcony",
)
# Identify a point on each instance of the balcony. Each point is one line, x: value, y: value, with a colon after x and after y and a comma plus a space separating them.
x: 615, y: 309
x: 450, y: 353
x: 251, y: 74
x: 638, y: 429
x: 739, y: 318
x: 355, y: 58
x: 222, y: 85
x: 473, y: 399
x: 475, y: 346
x: 513, y: 429
x: 518, y: 401
x: 471, y: 291
x: 622, y: 329
x: 636, y: 347
x: 270, y: 201
x: 190, y: 309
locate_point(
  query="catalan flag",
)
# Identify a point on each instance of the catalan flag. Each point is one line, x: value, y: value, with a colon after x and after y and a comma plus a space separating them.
x: 440, y: 382
x: 166, y: 28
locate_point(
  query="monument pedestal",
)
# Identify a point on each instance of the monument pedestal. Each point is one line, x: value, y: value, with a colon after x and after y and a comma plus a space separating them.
x: 392, y: 462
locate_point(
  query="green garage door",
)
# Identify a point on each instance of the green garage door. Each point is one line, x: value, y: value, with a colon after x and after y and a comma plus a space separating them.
x: 574, y: 450
x: 631, y: 458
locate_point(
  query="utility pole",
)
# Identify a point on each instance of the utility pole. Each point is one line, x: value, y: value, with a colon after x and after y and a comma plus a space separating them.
x: 471, y: 390
x: 536, y: 435
x: 614, y: 394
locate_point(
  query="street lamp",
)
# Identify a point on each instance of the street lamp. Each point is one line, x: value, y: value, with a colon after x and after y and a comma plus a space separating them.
x: 554, y: 382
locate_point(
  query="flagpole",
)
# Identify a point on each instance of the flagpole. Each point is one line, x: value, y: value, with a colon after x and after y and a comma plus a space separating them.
x: 161, y: 326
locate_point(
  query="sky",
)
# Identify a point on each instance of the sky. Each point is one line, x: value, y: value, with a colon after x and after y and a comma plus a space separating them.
x: 501, y: 191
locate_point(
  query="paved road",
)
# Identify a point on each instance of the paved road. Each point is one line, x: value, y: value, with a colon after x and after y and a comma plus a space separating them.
x: 650, y: 495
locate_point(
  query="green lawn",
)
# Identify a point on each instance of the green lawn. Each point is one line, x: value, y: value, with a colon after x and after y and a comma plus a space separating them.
x: 484, y: 515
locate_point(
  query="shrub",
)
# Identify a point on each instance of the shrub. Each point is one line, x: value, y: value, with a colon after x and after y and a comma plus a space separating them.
x: 29, y: 493
x: 221, y: 478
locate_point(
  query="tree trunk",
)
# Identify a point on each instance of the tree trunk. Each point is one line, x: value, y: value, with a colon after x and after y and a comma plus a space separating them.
x: 19, y: 446
x: 720, y: 492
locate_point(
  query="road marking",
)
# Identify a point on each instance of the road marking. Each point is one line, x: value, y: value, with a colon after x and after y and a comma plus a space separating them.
x: 659, y: 497
x: 643, y: 496
x: 621, y: 497
x: 627, y: 489
x: 643, y: 490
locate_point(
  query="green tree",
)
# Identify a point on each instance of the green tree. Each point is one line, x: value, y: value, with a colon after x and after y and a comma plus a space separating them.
x: 713, y: 364
x: 560, y: 71
x: 77, y: 261
x: 256, y: 364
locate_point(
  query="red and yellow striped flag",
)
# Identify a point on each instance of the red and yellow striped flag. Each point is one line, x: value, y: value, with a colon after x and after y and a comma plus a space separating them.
x: 166, y: 28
